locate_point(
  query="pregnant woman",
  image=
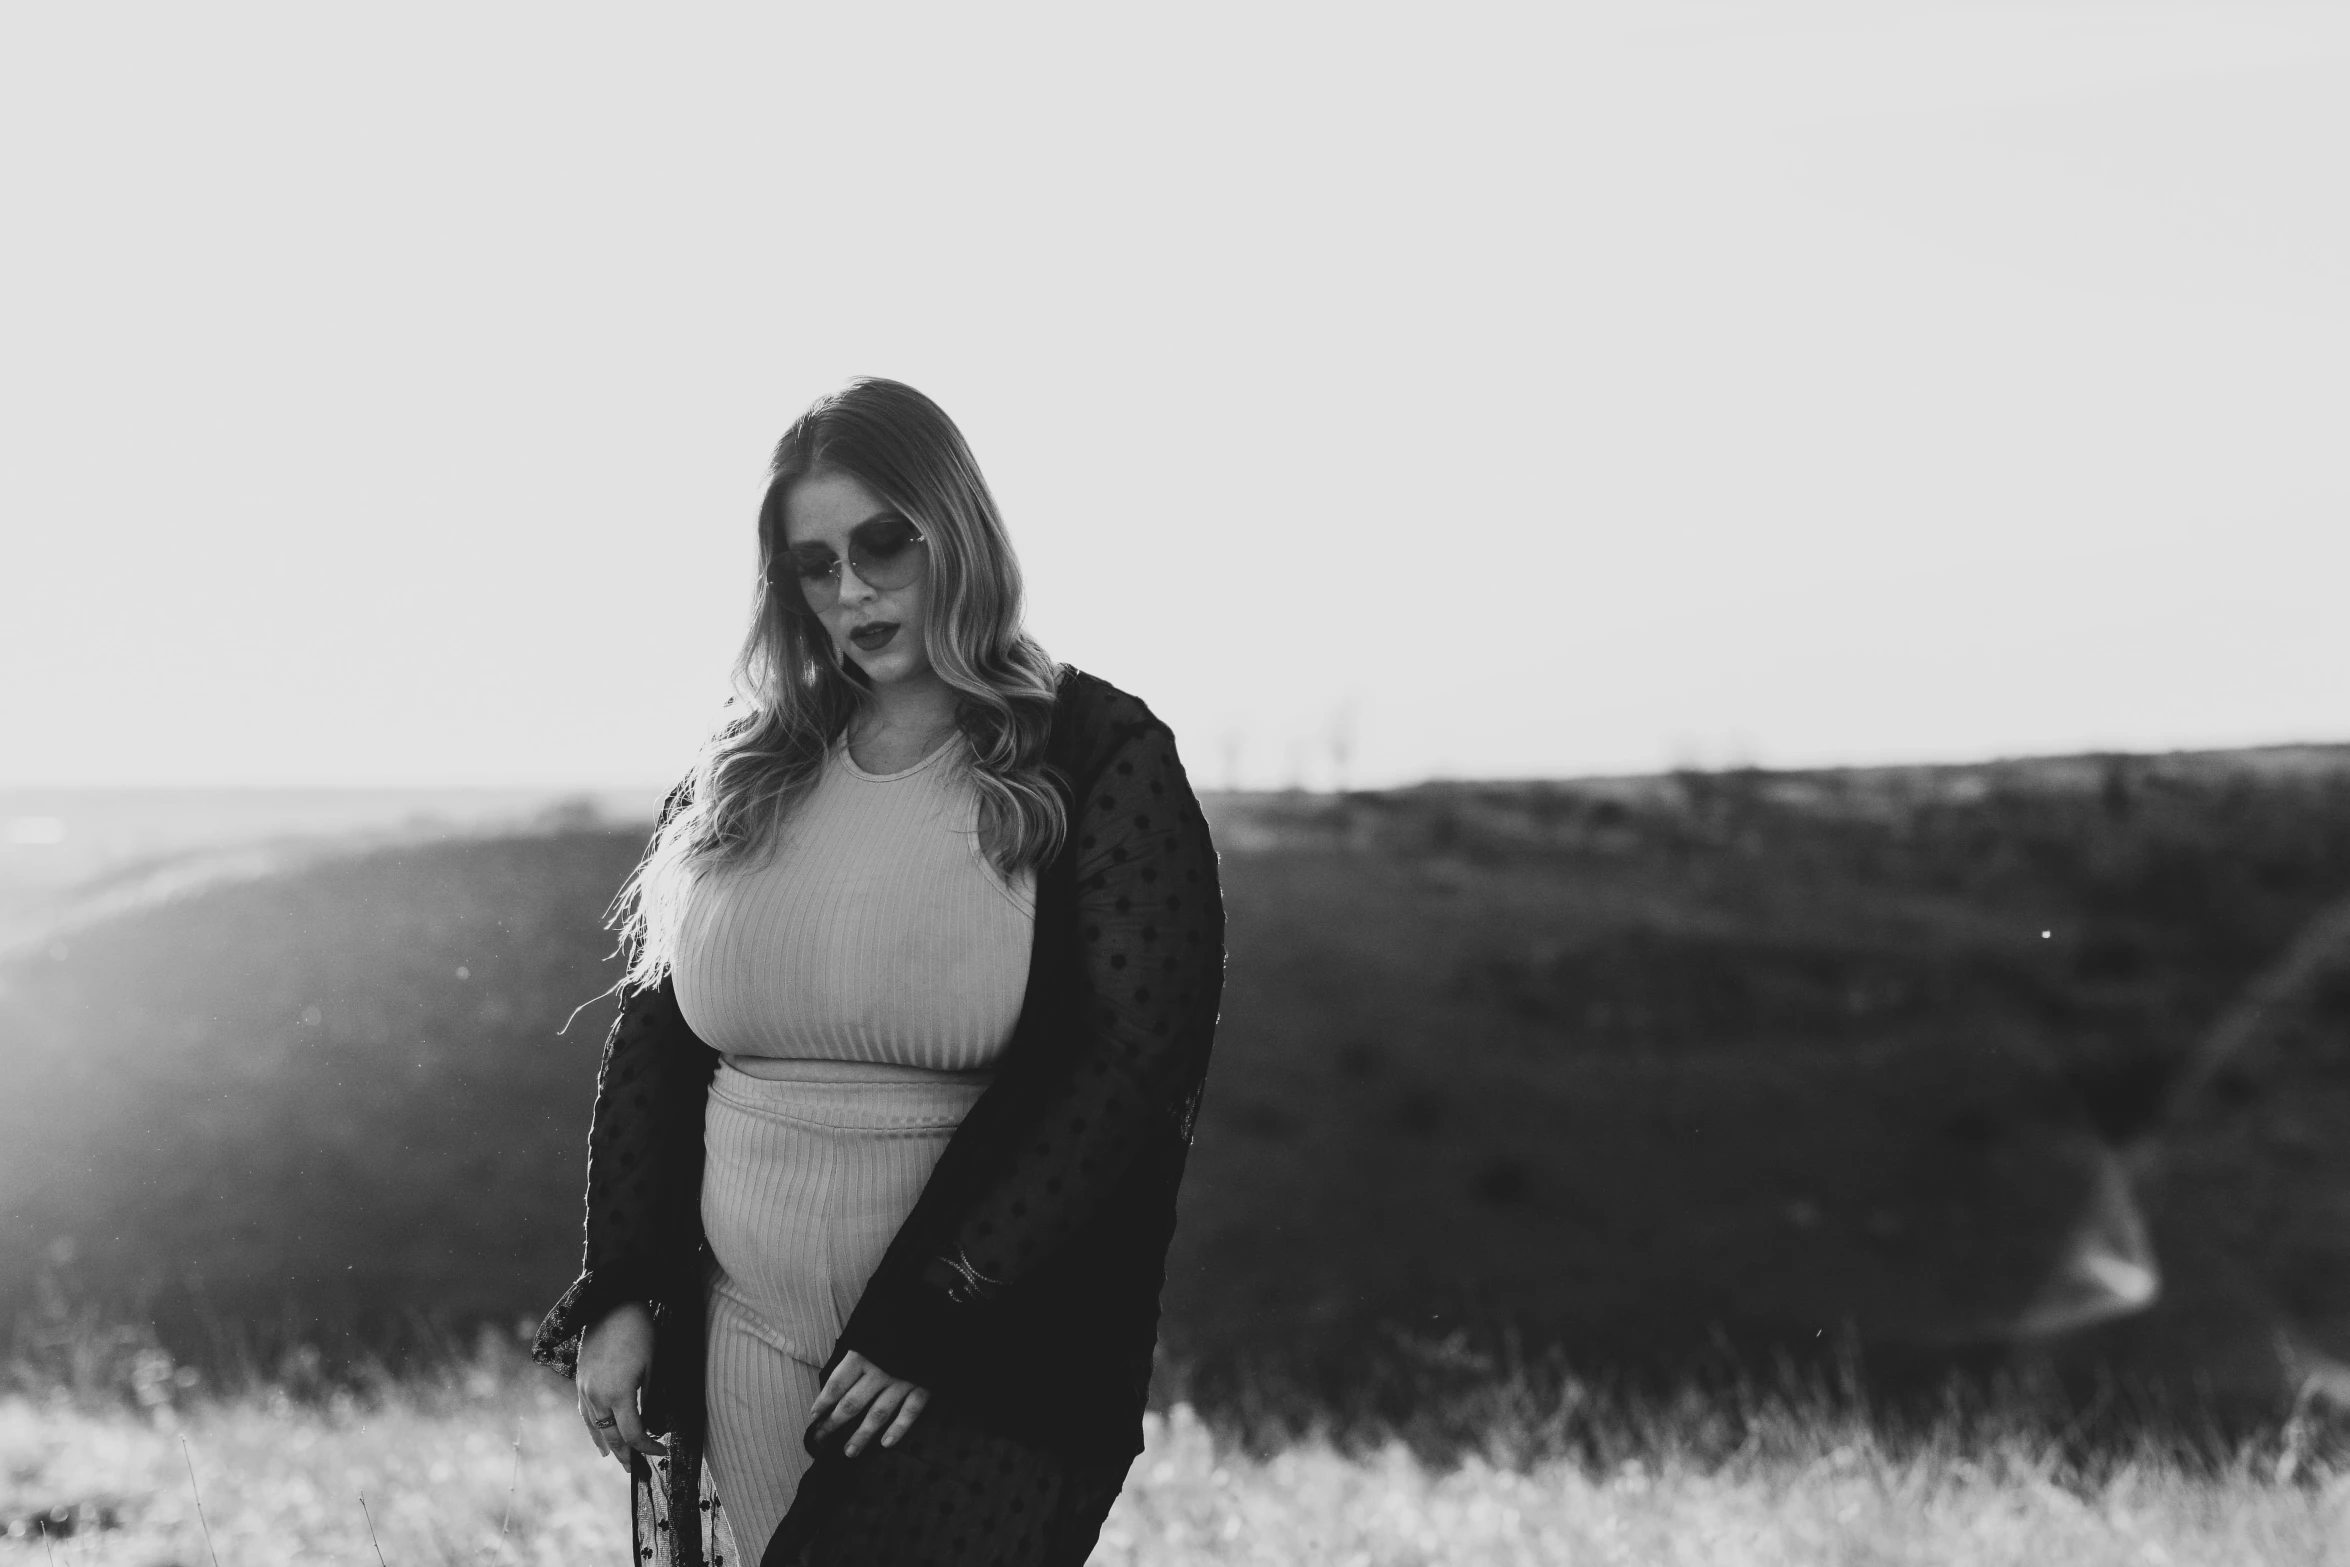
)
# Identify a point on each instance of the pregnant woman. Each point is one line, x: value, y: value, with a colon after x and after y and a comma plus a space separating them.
x: 924, y: 962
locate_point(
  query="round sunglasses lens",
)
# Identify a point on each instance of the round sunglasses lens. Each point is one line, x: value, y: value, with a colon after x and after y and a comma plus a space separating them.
x: 815, y: 589
x: 886, y: 558
x: 887, y: 571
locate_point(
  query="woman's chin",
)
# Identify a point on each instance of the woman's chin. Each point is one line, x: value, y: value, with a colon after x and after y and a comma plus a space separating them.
x: 890, y: 665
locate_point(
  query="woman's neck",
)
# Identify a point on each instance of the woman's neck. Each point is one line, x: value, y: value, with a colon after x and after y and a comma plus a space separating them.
x: 915, y: 713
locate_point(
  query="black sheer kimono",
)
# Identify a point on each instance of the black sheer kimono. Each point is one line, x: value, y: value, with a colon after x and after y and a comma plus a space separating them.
x: 1023, y: 1289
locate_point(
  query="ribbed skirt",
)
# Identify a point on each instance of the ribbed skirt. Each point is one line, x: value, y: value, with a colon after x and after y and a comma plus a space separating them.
x: 809, y: 1176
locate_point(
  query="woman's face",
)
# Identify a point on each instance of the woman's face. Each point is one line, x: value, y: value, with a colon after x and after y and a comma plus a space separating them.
x: 881, y: 629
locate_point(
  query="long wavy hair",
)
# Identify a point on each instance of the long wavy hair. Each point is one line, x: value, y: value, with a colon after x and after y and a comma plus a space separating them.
x: 793, y: 696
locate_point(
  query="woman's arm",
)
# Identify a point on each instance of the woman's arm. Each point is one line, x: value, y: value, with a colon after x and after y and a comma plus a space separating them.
x: 644, y: 1157
x: 1150, y: 918
x: 650, y: 1094
x: 1150, y: 927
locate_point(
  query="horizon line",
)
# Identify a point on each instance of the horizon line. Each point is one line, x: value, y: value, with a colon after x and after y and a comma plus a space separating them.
x: 577, y: 789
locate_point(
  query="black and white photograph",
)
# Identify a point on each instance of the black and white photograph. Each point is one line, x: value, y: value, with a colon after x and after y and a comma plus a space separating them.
x: 1033, y: 785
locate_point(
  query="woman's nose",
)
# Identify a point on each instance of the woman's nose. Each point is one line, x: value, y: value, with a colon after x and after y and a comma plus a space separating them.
x: 853, y: 588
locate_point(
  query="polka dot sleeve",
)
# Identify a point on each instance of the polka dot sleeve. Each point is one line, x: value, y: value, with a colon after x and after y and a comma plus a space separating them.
x: 644, y: 1163
x: 649, y: 1094
x: 1150, y: 924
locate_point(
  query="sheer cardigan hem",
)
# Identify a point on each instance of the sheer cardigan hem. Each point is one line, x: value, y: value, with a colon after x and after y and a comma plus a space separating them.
x: 592, y: 1297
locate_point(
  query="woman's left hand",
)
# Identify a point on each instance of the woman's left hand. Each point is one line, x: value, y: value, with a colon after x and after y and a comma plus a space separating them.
x: 859, y: 1388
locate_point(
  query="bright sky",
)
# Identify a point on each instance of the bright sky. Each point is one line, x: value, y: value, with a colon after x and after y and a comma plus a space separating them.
x: 1540, y: 389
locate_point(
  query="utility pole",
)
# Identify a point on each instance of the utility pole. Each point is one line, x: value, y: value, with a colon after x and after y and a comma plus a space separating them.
x: 1342, y: 744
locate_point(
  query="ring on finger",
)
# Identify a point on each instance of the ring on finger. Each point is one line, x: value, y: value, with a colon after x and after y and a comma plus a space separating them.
x: 605, y: 1424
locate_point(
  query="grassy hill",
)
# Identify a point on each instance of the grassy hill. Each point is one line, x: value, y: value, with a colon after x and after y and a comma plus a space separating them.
x: 1637, y: 1067
x: 337, y: 1089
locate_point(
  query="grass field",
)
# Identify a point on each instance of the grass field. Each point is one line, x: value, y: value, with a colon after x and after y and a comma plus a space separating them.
x: 1639, y: 1068
x: 483, y: 1461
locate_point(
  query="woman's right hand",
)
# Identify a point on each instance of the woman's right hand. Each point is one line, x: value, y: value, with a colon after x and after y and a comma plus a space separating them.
x: 614, y: 1356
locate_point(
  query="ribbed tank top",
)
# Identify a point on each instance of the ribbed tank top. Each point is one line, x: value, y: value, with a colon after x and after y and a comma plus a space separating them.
x: 878, y: 936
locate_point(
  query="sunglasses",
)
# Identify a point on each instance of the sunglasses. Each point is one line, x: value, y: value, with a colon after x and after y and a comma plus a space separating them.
x: 884, y: 552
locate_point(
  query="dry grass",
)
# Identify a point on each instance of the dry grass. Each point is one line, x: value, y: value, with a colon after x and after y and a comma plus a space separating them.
x: 281, y: 1481
x: 435, y: 1458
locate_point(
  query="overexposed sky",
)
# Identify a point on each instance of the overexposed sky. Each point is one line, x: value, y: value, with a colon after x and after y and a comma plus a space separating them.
x: 1537, y: 389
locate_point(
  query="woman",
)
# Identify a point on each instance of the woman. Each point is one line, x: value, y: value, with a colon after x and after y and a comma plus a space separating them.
x: 924, y: 964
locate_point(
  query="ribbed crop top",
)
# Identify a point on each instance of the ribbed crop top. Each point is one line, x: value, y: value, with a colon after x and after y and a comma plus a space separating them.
x: 878, y: 936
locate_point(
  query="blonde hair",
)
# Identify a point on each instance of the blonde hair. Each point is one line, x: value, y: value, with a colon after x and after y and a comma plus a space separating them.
x: 793, y: 697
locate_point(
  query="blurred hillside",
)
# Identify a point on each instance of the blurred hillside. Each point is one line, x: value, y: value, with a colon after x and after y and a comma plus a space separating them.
x: 133, y: 844
x: 1639, y: 1066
